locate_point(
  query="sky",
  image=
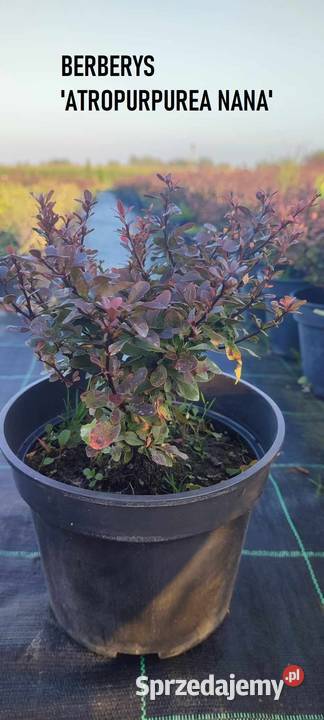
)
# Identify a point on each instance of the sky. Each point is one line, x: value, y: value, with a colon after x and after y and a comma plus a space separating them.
x: 209, y: 44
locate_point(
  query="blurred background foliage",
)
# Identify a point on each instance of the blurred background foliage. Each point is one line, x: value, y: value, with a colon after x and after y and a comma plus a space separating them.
x: 207, y: 186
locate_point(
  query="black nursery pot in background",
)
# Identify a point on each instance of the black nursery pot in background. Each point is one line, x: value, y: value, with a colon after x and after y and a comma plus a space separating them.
x: 284, y: 337
x: 142, y: 574
x: 311, y: 336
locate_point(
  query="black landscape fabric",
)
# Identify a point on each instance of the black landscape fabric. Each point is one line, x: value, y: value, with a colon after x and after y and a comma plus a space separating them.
x: 276, y: 616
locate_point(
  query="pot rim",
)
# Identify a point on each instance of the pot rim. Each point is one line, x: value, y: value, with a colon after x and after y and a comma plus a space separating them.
x: 167, y: 499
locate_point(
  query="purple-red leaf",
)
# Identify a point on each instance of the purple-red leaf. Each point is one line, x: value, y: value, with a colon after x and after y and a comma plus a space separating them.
x: 161, y: 301
x: 138, y: 291
x: 103, y: 435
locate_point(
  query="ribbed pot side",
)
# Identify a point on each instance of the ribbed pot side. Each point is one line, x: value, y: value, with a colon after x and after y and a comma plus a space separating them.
x: 310, y: 323
x: 142, y: 574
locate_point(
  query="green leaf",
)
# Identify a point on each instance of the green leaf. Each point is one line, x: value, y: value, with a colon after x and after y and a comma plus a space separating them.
x: 158, y: 376
x: 159, y: 432
x: 82, y: 362
x: 86, y: 429
x: 201, y: 346
x: 131, y: 438
x: 188, y: 391
x: 93, y: 483
x: 79, y: 281
x: 88, y: 473
x: 128, y: 454
x: 64, y: 437
x: 48, y: 461
x: 116, y: 452
x: 259, y: 305
x: 232, y: 471
x: 116, y: 347
x: 94, y: 399
x: 213, y: 367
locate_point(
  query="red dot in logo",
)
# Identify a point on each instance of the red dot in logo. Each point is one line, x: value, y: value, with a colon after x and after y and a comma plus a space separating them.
x: 293, y: 675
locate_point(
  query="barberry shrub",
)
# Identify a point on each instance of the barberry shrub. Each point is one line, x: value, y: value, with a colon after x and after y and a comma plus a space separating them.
x: 137, y: 338
x: 307, y: 257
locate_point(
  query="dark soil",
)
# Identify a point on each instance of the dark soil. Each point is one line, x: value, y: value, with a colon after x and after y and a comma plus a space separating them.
x: 220, y: 460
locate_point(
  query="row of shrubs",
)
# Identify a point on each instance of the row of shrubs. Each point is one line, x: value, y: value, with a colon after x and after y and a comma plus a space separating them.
x: 209, y: 188
x: 205, y: 198
x: 68, y: 180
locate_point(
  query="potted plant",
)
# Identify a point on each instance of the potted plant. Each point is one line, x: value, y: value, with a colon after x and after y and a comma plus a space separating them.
x: 306, y: 265
x: 140, y: 460
x: 310, y: 324
x: 310, y: 321
x: 284, y: 338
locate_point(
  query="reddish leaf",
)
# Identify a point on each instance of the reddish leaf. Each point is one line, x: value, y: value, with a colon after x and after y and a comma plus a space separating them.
x: 120, y: 208
x: 141, y: 327
x: 160, y: 458
x: 138, y: 291
x: 161, y: 301
x: 103, y: 435
x: 186, y: 363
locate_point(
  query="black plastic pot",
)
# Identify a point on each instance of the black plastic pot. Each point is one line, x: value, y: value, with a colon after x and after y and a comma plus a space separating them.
x: 284, y: 338
x: 142, y: 574
x: 311, y: 336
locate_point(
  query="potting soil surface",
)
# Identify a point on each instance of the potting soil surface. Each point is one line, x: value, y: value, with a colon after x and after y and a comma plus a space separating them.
x: 276, y: 617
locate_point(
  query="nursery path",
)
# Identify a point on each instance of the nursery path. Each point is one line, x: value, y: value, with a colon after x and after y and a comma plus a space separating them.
x: 105, y: 236
x: 276, y: 611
